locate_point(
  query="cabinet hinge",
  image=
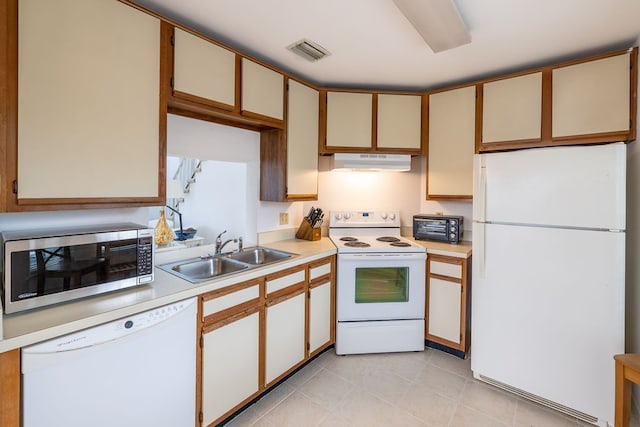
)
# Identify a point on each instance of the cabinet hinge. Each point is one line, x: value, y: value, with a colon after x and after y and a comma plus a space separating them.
x: 200, y: 417
x: 308, y: 347
x: 173, y: 40
x: 15, y: 187
x: 201, y: 342
x: 171, y: 82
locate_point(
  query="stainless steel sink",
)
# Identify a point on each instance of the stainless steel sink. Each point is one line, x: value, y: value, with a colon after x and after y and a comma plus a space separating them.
x: 197, y: 270
x: 259, y: 256
x: 200, y: 269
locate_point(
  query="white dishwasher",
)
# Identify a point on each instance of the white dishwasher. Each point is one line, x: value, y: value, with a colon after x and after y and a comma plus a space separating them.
x: 134, y: 372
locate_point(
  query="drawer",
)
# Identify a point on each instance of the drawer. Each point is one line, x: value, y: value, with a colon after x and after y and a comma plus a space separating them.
x: 223, y: 302
x: 288, y: 279
x: 446, y: 269
x: 319, y: 271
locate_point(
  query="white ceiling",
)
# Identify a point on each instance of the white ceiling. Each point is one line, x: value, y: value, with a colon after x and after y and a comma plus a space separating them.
x: 373, y: 45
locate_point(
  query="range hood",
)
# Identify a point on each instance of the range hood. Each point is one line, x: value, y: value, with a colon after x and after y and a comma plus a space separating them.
x: 372, y: 162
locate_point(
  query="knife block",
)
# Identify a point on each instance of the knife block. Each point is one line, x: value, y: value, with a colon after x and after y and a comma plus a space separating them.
x: 305, y: 231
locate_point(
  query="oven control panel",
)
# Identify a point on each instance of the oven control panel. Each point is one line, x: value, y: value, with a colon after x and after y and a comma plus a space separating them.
x: 365, y: 219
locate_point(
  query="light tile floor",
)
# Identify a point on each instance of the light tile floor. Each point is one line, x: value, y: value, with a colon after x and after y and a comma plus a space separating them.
x: 430, y: 388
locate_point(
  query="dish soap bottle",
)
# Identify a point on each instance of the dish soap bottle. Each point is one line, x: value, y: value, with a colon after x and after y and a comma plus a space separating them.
x: 163, y: 234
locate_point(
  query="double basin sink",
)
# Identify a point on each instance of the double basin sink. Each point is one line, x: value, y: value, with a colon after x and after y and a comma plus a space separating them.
x: 200, y: 269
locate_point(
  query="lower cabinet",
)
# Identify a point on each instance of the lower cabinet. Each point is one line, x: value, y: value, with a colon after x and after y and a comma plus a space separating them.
x: 229, y: 349
x: 448, y: 296
x: 284, y: 336
x: 256, y: 332
x: 320, y: 312
x: 230, y: 357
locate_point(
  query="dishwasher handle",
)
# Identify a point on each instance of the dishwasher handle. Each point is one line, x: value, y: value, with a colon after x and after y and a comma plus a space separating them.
x: 109, y: 331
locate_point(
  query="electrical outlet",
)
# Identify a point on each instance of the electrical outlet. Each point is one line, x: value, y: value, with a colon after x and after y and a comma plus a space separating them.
x: 284, y: 218
x: 438, y: 213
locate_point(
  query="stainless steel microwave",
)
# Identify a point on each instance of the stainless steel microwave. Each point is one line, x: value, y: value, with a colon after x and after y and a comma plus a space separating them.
x: 442, y: 228
x: 43, y: 267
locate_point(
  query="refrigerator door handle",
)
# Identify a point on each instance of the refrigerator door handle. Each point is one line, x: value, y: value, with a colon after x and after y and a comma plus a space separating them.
x: 480, y: 190
x: 482, y: 253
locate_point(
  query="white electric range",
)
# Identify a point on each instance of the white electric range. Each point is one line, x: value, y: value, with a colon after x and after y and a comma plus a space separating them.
x: 380, y: 284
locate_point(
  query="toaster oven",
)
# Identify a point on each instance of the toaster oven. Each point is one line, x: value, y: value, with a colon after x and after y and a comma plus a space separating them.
x: 442, y: 228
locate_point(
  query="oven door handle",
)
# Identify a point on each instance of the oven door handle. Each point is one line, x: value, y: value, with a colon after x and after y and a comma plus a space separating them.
x: 403, y: 256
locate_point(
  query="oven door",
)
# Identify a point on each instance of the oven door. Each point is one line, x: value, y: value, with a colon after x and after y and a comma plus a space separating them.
x: 381, y: 286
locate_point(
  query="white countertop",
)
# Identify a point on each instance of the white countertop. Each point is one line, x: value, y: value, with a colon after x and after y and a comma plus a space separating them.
x: 22, y: 329
x: 33, y: 326
x: 460, y: 250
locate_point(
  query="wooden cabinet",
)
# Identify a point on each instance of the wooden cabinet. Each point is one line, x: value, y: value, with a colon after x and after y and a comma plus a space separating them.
x: 587, y: 101
x: 448, y: 294
x: 399, y: 122
x: 285, y: 322
x: 370, y: 122
x: 203, y: 71
x: 320, y: 312
x: 512, y: 110
x: 592, y: 99
x: 451, y: 144
x: 349, y: 121
x: 302, y: 141
x: 262, y: 91
x: 89, y: 126
x: 230, y: 349
x: 289, y: 161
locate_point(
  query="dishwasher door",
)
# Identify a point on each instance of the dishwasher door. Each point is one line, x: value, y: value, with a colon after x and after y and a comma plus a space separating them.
x: 133, y: 372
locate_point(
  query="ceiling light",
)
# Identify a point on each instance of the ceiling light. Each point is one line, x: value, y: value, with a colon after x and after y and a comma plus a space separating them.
x: 437, y: 21
x: 309, y: 50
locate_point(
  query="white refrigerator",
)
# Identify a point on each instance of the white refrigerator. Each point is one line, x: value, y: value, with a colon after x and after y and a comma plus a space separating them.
x: 548, y: 275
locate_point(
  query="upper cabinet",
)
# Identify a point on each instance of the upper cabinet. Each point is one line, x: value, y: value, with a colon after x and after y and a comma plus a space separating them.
x: 90, y: 128
x: 452, y: 124
x: 302, y: 141
x: 262, y: 91
x: 512, y: 110
x: 581, y: 102
x: 348, y: 121
x: 592, y: 99
x: 203, y: 71
x: 399, y: 122
x: 289, y: 160
x: 370, y: 122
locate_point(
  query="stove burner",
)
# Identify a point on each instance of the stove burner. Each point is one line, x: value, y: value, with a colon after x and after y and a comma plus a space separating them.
x: 387, y: 239
x: 348, y: 239
x: 356, y: 244
x: 401, y: 244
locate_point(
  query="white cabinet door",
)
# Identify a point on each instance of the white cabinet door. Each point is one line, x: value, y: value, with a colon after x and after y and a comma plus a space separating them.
x: 444, y: 309
x: 512, y: 109
x: 452, y: 119
x: 349, y: 119
x: 88, y: 100
x: 302, y: 140
x: 262, y: 90
x: 204, y: 69
x: 285, y: 346
x: 591, y: 97
x: 229, y: 366
x: 319, y: 316
x: 399, y: 121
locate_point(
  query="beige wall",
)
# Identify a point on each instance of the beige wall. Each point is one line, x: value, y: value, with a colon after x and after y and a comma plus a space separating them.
x: 633, y: 251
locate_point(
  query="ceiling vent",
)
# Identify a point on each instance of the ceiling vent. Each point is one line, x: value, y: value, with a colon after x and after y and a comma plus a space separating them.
x: 308, y: 50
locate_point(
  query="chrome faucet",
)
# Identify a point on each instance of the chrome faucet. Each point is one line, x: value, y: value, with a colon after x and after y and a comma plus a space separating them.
x: 220, y: 245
